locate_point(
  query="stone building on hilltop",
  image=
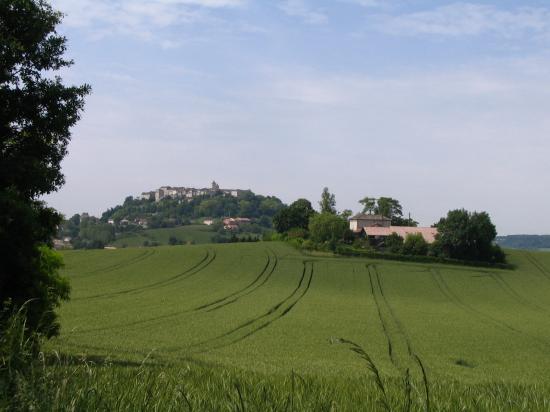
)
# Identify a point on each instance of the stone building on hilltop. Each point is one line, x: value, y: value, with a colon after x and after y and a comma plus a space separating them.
x: 175, y: 192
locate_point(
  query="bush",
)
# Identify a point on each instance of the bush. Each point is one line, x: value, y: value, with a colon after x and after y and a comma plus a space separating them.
x: 297, y: 232
x: 415, y: 245
x: 394, y: 243
x: 172, y: 241
x: 274, y: 237
x: 328, y: 228
x: 498, y: 255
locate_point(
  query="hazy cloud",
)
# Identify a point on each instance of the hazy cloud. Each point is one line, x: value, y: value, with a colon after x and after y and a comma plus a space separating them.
x: 302, y: 9
x: 144, y: 19
x: 469, y: 19
x: 368, y: 3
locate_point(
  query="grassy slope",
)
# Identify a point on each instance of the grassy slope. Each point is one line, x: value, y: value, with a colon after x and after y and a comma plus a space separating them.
x: 264, y: 307
x: 195, y: 233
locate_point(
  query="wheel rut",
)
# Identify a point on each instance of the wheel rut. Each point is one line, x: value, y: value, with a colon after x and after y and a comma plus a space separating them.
x: 259, y: 281
x: 208, y: 258
x: 265, y: 274
x: 540, y: 267
x: 256, y: 324
x: 111, y: 268
x: 510, y: 291
x: 482, y: 316
x: 400, y: 350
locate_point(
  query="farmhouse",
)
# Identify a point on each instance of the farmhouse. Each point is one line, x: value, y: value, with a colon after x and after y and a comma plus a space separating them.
x: 378, y: 227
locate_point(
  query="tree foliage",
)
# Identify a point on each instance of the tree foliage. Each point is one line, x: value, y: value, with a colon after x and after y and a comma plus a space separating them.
x: 369, y: 205
x: 328, y: 202
x: 467, y: 236
x: 36, y: 113
x: 389, y: 207
x: 328, y: 228
x: 394, y: 243
x: 415, y: 245
x: 297, y: 215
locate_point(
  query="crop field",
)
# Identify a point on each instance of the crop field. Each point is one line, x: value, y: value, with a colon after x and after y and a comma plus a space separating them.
x: 189, y: 233
x: 266, y: 308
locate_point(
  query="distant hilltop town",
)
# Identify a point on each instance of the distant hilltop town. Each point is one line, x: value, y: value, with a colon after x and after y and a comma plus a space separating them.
x: 187, y: 192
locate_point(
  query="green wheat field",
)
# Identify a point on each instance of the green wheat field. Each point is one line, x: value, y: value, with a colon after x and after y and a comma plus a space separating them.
x: 433, y: 336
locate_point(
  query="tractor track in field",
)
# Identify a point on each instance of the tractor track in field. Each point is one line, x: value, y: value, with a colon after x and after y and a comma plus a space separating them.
x: 111, y: 268
x: 381, y: 318
x: 208, y: 258
x: 540, y: 267
x: 396, y: 336
x: 259, y: 281
x: 444, y: 288
x: 254, y: 325
x: 510, y: 291
x: 207, y: 306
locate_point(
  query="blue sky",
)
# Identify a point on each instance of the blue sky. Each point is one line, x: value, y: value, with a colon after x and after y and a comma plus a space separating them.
x: 439, y: 104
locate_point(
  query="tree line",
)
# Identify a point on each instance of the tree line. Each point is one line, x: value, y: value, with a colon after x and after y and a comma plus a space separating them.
x: 462, y: 235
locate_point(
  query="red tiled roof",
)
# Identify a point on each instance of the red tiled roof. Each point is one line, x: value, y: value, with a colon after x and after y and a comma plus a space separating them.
x: 428, y: 233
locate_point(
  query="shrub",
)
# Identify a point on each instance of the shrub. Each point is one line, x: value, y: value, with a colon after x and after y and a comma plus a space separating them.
x: 394, y: 243
x: 297, y: 232
x: 328, y: 228
x: 415, y: 245
x: 172, y: 240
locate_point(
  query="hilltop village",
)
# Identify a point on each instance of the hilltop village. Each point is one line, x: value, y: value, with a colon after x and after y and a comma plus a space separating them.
x: 164, y: 192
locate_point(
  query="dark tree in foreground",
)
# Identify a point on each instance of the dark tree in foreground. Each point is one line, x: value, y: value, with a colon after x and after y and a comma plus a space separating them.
x: 36, y: 113
x: 468, y: 236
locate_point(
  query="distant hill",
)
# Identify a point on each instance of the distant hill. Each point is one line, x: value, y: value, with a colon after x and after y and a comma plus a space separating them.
x: 133, y: 223
x: 524, y: 241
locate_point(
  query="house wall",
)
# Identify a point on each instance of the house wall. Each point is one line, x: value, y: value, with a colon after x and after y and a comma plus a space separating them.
x: 358, y: 224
